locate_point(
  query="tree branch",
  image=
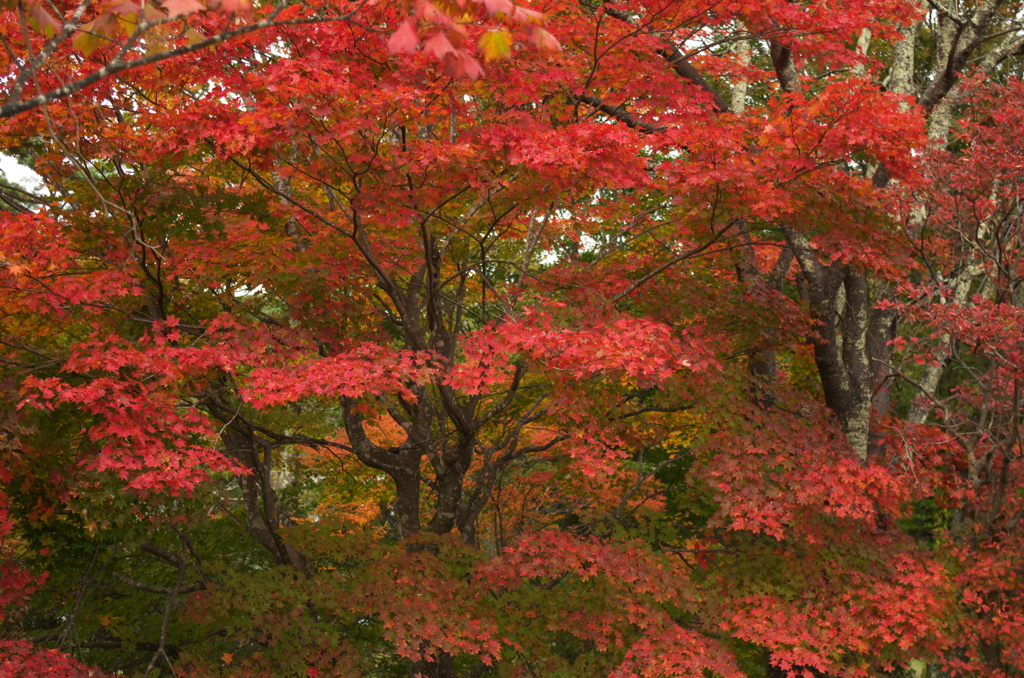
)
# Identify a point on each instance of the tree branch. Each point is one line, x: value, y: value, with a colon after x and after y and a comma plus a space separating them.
x: 619, y: 113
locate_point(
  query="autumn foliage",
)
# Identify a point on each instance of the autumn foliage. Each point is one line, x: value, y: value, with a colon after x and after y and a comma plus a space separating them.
x: 465, y: 339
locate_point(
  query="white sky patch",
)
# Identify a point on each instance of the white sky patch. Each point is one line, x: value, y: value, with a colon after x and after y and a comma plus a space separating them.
x: 19, y: 174
x: 245, y: 291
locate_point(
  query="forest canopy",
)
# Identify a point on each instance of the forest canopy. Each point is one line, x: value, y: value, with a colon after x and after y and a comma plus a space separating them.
x: 458, y: 338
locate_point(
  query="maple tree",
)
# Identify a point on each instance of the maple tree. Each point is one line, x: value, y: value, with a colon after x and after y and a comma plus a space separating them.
x: 460, y: 339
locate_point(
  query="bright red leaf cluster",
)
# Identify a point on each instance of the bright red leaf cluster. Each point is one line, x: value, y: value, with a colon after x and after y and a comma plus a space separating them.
x: 684, y: 341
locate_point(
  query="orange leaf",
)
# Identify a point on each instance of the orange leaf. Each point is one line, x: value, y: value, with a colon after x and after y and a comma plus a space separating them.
x: 503, y: 7
x: 438, y: 45
x: 544, y: 41
x: 182, y: 7
x: 404, y: 39
x: 240, y: 7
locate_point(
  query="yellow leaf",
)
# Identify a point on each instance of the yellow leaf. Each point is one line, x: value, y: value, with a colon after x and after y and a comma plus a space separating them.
x: 98, y: 32
x: 42, y: 20
x: 127, y: 23
x: 495, y: 44
x: 87, y: 42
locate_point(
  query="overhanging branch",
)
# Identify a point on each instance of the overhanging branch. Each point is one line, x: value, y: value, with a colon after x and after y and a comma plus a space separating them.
x: 619, y: 113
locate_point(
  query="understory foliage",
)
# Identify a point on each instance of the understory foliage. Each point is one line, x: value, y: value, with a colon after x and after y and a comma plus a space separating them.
x: 465, y: 339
